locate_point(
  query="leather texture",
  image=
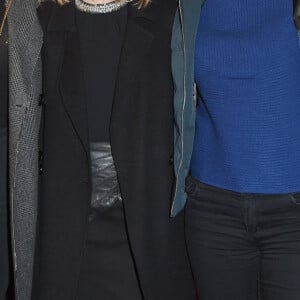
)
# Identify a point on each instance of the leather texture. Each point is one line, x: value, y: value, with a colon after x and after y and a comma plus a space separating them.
x: 105, y: 185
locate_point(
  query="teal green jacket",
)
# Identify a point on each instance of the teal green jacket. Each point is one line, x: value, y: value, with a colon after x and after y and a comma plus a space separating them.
x: 183, y: 49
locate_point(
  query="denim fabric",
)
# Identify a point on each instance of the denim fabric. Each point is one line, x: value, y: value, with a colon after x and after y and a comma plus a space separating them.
x: 243, y: 246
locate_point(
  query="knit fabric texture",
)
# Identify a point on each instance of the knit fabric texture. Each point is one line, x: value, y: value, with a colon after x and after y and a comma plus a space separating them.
x: 247, y: 70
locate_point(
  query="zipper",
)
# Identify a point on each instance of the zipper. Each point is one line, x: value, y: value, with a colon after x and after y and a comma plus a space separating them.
x: 184, y: 101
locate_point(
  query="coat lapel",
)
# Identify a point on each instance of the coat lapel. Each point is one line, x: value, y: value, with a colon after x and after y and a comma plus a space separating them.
x: 137, y: 42
x: 71, y: 81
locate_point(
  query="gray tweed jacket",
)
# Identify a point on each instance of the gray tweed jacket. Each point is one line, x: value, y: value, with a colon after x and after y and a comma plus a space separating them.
x: 25, y: 41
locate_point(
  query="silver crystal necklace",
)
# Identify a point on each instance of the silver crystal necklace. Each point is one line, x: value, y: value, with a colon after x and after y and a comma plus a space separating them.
x: 100, y: 8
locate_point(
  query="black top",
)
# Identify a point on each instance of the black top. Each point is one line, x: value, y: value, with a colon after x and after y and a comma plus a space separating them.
x: 101, y: 38
x: 4, y: 244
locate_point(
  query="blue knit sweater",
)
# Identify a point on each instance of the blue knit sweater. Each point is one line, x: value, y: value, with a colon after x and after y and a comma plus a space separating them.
x: 247, y: 69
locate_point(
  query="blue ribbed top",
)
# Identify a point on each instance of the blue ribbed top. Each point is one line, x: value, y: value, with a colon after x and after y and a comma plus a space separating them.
x: 247, y: 69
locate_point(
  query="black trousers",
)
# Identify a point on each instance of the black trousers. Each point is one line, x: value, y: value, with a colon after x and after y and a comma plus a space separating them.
x: 108, y: 270
x: 243, y: 246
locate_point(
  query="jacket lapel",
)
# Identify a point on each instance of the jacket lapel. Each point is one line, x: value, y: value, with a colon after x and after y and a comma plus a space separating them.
x: 71, y: 81
x: 137, y: 42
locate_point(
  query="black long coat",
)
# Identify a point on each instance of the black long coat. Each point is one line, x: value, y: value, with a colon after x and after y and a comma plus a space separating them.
x: 142, y: 145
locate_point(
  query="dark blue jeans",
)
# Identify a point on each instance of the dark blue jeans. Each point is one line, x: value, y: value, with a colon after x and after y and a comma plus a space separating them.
x: 243, y: 246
